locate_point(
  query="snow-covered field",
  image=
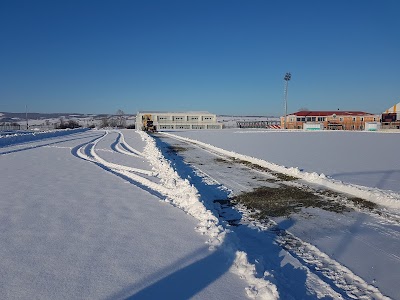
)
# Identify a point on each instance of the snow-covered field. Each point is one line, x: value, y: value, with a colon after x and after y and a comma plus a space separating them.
x: 119, y: 215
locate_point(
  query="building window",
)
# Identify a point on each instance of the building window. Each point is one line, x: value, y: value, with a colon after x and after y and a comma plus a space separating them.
x: 362, y: 119
x: 321, y: 119
x: 213, y: 127
x: 308, y: 119
x: 198, y: 127
x: 341, y: 119
x: 354, y: 119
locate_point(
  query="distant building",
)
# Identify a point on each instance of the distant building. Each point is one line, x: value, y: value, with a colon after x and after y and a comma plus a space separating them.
x: 391, y: 117
x: 179, y: 120
x: 330, y: 120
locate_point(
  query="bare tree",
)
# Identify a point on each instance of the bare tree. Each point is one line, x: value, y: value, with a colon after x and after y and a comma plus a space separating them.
x: 121, y: 121
x: 113, y: 122
x: 104, y: 123
x: 62, y: 122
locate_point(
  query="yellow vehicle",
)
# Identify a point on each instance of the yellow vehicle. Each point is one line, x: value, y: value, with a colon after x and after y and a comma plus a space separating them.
x: 147, y: 122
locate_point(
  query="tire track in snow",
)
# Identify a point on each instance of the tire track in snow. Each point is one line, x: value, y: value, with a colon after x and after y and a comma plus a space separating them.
x: 96, y: 158
x: 326, y: 268
x: 87, y: 152
x: 123, y: 144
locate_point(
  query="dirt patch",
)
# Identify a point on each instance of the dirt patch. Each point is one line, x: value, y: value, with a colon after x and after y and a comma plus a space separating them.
x: 221, y: 160
x: 251, y: 165
x: 284, y: 200
x: 280, y: 176
x: 356, y: 201
x: 177, y: 149
x: 284, y: 177
x: 363, y: 204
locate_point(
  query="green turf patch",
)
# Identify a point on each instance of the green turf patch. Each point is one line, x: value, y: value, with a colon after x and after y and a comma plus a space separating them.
x: 284, y: 200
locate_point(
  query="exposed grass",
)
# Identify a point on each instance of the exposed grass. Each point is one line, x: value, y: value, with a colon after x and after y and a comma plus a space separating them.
x: 177, y: 148
x: 284, y: 200
x: 363, y: 204
x: 356, y: 201
x: 221, y: 160
x: 280, y: 176
x: 251, y: 165
x: 284, y: 177
x: 329, y: 193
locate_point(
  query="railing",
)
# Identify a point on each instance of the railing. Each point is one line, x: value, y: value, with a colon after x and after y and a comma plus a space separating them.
x: 6, y: 127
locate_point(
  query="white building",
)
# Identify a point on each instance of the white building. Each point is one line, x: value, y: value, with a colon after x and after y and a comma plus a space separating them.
x: 179, y: 120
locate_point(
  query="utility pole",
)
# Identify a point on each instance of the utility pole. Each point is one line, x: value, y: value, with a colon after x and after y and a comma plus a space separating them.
x: 26, y: 116
x: 287, y: 77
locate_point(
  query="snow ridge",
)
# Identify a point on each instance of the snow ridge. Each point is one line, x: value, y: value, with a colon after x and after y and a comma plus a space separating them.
x: 382, y: 197
x: 16, y: 138
x: 186, y: 197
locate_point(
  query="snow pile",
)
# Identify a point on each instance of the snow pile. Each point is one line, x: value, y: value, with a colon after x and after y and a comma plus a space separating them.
x: 16, y: 138
x: 387, y: 198
x: 185, y: 196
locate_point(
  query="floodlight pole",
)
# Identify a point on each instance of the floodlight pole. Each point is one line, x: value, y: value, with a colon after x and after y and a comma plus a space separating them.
x: 287, y: 77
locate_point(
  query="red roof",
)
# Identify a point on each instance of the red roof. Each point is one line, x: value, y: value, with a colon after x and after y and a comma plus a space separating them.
x: 306, y: 113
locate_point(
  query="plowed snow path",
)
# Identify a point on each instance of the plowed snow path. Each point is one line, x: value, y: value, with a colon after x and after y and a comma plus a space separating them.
x: 321, y: 266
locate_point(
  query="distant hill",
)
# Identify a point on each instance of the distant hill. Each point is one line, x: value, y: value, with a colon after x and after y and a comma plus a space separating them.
x: 8, y: 115
x: 12, y: 117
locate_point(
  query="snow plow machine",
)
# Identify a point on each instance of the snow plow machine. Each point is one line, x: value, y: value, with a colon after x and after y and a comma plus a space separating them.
x: 148, y: 125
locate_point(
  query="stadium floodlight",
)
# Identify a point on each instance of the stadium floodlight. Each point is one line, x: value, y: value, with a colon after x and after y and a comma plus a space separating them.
x: 287, y: 77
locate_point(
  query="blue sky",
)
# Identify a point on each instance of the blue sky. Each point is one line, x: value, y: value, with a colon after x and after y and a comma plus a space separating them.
x: 227, y: 57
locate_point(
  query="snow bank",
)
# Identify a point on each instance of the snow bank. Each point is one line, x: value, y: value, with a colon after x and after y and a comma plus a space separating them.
x: 382, y: 197
x: 185, y: 196
x: 17, y: 138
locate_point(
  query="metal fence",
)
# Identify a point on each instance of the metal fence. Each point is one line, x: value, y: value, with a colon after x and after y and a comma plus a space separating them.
x: 9, y: 127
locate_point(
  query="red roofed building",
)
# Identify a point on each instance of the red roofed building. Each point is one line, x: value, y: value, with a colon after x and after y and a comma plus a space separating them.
x: 331, y: 120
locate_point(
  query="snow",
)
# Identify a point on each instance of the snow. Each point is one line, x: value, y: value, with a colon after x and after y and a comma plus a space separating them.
x: 73, y: 230
x: 110, y: 214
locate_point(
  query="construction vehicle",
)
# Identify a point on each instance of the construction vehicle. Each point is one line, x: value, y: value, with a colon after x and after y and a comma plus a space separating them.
x: 148, y: 124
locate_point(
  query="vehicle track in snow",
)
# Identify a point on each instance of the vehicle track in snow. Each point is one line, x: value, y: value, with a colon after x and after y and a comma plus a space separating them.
x: 317, y: 264
x: 143, y: 178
